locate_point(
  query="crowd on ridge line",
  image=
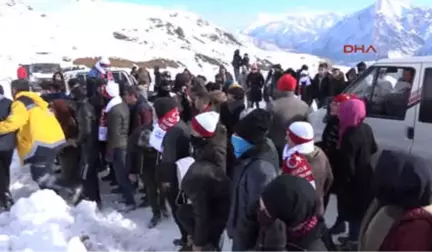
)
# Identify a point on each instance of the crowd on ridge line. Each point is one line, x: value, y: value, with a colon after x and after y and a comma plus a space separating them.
x: 258, y: 174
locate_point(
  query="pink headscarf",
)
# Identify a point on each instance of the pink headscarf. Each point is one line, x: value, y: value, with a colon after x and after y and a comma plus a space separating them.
x: 351, y: 113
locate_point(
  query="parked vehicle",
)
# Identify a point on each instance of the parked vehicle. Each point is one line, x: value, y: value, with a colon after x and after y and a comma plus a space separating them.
x: 39, y: 72
x: 398, y: 96
x: 120, y: 76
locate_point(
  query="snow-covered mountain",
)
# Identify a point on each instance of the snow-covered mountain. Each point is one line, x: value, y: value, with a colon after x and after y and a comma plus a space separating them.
x: 394, y: 27
x: 146, y: 35
x: 426, y: 49
x: 290, y: 30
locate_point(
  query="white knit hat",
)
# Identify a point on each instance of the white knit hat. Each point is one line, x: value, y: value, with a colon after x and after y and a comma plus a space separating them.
x: 302, y: 135
x: 205, y: 123
x: 112, y: 89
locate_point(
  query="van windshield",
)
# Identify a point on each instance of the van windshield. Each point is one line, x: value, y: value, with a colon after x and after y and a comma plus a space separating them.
x: 45, y: 68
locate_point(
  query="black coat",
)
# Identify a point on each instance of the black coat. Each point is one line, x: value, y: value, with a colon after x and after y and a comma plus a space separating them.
x: 230, y: 114
x: 213, y: 150
x: 338, y: 85
x: 322, y: 88
x: 7, y: 141
x: 355, y: 172
x: 87, y: 124
x: 252, y: 172
x: 176, y: 145
x: 207, y: 186
x: 255, y: 83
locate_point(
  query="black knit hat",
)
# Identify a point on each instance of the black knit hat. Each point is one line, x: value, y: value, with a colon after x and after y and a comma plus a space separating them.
x: 291, y: 199
x: 253, y: 127
x: 181, y: 80
x: 164, y: 105
x: 21, y: 85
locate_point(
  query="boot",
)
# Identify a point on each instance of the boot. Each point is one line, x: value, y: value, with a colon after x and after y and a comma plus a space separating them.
x: 72, y: 194
x: 180, y: 242
x: 165, y: 213
x: 154, y: 221
x: 6, y: 202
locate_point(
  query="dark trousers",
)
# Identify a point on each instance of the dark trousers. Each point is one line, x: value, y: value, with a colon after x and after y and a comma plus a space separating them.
x: 42, y: 173
x: 69, y: 158
x: 151, y: 183
x: 89, y: 174
x: 187, y: 219
x: 122, y: 174
x: 171, y: 195
x: 5, y: 162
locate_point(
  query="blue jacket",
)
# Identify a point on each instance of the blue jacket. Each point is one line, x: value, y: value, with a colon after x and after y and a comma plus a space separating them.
x: 95, y: 73
x: 7, y: 141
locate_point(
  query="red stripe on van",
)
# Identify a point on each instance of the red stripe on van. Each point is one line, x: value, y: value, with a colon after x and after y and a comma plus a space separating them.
x: 414, y: 98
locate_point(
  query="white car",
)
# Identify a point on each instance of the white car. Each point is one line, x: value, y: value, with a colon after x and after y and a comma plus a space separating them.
x: 120, y: 76
x: 399, y: 122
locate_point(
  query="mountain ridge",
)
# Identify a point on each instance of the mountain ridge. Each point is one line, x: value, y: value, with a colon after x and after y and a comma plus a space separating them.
x: 395, y: 27
x: 146, y: 33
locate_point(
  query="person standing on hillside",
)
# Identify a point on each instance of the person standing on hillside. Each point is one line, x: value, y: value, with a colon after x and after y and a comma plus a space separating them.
x: 99, y: 70
x: 115, y: 131
x: 322, y: 86
x: 236, y: 63
x: 175, y: 145
x: 31, y: 118
x: 7, y: 146
x: 86, y: 140
x: 144, y: 80
x: 224, y: 76
x: 285, y: 110
x: 255, y: 83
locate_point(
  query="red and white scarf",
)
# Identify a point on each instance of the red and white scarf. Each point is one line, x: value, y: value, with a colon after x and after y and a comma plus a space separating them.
x: 103, y: 127
x: 170, y: 119
x: 296, y: 164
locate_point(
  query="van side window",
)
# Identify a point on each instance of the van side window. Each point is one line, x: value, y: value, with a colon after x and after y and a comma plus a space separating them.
x: 386, y: 91
x: 425, y: 113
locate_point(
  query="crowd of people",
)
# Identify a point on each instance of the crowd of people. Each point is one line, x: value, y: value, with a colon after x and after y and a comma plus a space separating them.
x: 256, y: 173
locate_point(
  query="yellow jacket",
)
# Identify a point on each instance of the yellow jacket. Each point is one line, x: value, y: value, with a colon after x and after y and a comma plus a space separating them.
x: 39, y: 134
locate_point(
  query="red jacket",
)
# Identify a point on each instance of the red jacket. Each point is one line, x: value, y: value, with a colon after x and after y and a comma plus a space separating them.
x: 22, y: 73
x: 412, y: 232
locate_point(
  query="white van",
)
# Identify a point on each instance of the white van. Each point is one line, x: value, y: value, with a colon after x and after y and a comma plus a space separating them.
x: 397, y: 125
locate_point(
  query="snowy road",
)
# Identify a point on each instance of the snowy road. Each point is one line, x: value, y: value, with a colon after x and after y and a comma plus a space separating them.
x: 41, y: 221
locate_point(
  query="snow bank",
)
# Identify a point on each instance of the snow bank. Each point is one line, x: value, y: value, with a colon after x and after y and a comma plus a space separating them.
x: 44, y: 222
x: 41, y: 221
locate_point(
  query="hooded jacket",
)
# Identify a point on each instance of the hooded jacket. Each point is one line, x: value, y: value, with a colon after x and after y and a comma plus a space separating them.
x: 411, y: 233
x: 252, y: 172
x: 208, y: 188
x: 398, y: 219
x: 39, y: 134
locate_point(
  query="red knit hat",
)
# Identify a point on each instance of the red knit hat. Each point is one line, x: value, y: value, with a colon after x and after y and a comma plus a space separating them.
x: 287, y: 83
x: 344, y: 97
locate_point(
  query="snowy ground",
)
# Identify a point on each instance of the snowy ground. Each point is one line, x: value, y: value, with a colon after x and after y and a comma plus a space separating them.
x: 42, y: 221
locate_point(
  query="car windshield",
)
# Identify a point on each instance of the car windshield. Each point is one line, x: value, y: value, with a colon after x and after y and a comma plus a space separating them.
x: 45, y: 68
